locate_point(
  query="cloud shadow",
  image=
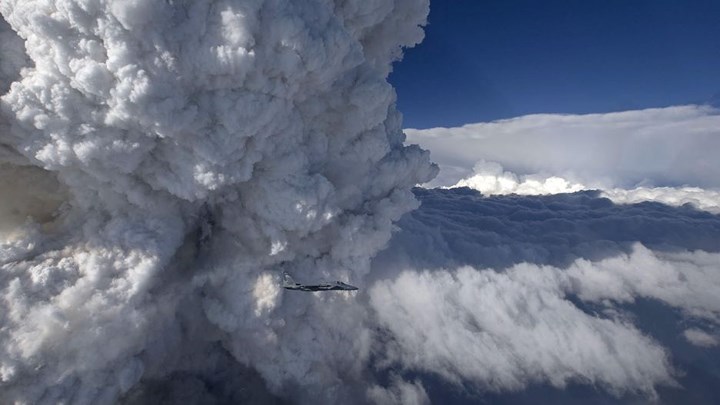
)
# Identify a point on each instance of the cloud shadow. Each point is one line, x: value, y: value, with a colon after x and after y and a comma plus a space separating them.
x: 456, y: 227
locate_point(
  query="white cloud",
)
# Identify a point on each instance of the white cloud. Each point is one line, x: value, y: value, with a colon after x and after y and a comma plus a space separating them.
x: 707, y: 200
x: 400, y: 392
x: 657, y: 147
x: 685, y: 280
x: 505, y: 331
x: 661, y: 155
x: 701, y: 338
x: 491, y: 179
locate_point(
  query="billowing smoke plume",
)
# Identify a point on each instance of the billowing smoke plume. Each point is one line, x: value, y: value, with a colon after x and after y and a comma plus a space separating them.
x: 184, y: 152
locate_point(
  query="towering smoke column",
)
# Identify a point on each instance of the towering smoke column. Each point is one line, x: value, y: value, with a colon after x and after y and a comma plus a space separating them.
x: 162, y: 161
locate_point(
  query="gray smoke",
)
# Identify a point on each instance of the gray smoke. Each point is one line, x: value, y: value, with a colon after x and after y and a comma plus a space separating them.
x: 183, y: 153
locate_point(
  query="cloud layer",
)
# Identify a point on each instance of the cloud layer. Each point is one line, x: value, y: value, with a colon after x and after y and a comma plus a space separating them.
x: 503, y: 293
x: 491, y: 179
x: 654, y: 148
x: 553, y: 247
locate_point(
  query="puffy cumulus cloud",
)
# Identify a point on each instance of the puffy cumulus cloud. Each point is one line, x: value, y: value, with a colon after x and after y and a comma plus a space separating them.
x: 491, y: 179
x: 181, y: 153
x: 655, y: 147
x: 505, y: 331
x: 684, y: 280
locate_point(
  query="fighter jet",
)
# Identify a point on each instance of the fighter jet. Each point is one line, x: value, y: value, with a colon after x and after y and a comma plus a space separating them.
x: 290, y: 284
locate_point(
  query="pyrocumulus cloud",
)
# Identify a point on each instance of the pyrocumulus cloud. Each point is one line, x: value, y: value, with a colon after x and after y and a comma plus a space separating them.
x: 184, y: 152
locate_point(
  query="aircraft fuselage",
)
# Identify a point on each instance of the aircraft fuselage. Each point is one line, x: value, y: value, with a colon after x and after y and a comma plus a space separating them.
x: 337, y: 286
x: 290, y: 284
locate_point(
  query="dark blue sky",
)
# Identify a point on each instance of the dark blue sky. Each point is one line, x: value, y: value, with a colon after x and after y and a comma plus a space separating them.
x: 489, y: 59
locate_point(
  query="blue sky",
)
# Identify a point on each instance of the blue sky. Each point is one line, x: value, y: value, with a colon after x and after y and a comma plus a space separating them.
x: 493, y: 59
